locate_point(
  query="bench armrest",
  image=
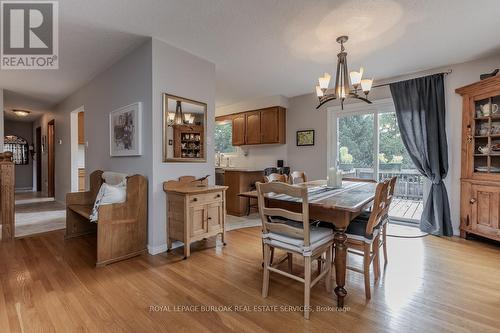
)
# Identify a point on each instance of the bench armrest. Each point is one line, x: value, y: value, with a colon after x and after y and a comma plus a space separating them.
x: 79, y: 198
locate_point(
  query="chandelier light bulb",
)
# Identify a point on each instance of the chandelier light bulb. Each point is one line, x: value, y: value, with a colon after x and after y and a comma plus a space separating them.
x: 366, y: 85
x: 319, y: 91
x: 324, y: 81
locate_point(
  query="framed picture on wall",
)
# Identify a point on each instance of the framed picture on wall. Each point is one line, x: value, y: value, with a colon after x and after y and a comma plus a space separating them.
x: 305, y: 138
x: 125, y: 131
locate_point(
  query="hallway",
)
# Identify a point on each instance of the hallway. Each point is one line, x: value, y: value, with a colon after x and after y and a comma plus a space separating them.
x: 39, y: 217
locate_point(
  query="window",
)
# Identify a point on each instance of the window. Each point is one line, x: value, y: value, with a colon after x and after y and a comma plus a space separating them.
x: 224, y: 137
x: 366, y: 143
x: 19, y: 148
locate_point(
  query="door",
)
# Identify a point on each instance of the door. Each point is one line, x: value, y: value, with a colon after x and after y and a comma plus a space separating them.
x: 214, y: 216
x: 197, y: 220
x: 485, y: 209
x: 269, y: 125
x: 38, y: 151
x: 239, y: 130
x: 368, y: 145
x: 51, y: 159
x: 253, y: 128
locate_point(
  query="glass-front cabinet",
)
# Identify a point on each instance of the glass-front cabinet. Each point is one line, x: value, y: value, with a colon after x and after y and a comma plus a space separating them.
x: 486, y: 135
x: 480, y: 177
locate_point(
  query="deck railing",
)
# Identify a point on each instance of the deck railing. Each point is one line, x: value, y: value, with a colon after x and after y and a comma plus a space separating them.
x: 410, y: 183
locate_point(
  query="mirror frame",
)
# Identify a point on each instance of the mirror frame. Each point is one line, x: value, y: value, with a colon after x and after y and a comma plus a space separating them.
x: 166, y: 159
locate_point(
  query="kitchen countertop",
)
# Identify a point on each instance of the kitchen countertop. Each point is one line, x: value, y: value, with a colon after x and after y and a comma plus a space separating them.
x: 238, y: 169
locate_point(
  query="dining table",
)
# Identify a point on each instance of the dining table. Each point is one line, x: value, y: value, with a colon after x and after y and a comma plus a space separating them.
x: 335, y: 205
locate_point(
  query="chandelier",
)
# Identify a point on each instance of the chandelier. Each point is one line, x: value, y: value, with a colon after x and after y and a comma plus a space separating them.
x: 343, y: 89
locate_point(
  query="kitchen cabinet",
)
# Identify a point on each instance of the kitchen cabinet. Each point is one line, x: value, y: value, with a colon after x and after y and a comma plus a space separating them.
x: 263, y: 126
x: 238, y: 129
x: 81, y: 128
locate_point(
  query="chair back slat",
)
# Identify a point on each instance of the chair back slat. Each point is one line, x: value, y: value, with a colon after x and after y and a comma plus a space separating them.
x: 378, y: 209
x: 297, y: 177
x: 267, y: 214
x: 276, y: 177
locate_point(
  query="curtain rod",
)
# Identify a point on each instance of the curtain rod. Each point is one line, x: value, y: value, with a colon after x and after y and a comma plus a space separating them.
x: 389, y: 83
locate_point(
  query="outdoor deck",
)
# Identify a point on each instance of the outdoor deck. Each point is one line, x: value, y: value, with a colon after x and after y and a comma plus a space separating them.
x: 406, y: 209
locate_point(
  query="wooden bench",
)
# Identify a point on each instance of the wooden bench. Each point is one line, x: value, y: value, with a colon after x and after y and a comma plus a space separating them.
x: 121, y: 228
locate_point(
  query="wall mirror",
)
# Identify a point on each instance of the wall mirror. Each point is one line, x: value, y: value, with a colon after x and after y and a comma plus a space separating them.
x: 184, y: 129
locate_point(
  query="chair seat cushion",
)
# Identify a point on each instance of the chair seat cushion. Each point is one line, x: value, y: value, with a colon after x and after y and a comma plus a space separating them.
x: 357, y: 230
x: 366, y: 215
x: 318, y: 236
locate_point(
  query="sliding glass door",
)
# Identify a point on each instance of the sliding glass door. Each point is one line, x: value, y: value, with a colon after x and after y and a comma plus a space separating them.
x: 368, y: 145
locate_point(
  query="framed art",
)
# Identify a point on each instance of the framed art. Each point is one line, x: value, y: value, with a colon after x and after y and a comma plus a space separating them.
x: 125, y: 131
x: 305, y: 138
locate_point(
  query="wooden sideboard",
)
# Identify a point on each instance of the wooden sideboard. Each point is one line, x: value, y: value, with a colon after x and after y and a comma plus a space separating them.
x: 263, y: 126
x: 194, y: 211
x: 480, y: 176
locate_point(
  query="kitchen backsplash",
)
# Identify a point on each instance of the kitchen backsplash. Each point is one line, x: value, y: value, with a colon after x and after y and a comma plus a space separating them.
x: 258, y: 157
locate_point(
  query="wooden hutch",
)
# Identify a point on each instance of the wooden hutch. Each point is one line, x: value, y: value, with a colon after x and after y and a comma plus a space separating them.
x: 480, y: 176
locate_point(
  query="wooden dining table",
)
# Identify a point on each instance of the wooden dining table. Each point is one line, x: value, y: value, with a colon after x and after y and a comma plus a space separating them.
x: 338, y: 206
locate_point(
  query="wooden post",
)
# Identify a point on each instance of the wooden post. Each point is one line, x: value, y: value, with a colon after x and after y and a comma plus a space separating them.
x: 7, y: 200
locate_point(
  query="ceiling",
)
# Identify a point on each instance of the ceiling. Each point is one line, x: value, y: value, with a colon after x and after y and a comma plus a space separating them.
x: 266, y: 47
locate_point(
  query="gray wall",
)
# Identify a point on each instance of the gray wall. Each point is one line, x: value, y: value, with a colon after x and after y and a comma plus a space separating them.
x: 302, y: 114
x: 178, y: 73
x: 24, y: 173
x: 125, y: 82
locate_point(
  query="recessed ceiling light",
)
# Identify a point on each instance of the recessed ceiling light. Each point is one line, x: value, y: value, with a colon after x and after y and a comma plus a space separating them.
x: 21, y: 113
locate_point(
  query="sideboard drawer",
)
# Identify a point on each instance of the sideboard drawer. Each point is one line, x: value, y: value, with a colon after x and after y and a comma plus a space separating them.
x: 205, y: 198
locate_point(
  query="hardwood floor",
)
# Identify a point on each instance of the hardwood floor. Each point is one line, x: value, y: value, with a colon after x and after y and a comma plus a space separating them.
x: 430, y: 285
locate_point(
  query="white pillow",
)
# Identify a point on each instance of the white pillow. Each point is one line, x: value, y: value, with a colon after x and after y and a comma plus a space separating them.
x: 114, y: 178
x: 107, y: 195
x: 114, y: 194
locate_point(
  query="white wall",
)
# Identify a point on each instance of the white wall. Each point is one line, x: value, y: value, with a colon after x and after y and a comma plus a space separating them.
x: 302, y: 114
x: 258, y: 156
x: 182, y: 74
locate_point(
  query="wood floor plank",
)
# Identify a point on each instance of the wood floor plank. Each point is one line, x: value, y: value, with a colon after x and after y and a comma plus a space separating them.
x: 429, y: 285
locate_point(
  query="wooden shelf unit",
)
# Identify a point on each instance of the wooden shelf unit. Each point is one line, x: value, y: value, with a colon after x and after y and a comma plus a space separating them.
x: 480, y: 189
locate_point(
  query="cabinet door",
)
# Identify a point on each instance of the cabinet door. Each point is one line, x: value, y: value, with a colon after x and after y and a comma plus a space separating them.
x: 253, y: 128
x: 214, y: 219
x: 198, y: 226
x: 239, y: 130
x: 485, y: 210
x: 269, y: 125
x: 81, y: 131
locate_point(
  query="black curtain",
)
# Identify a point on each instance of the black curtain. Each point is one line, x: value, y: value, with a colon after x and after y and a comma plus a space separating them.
x: 420, y: 110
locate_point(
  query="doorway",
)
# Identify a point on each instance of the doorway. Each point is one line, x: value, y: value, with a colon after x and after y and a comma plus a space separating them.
x: 51, y: 158
x: 38, y: 151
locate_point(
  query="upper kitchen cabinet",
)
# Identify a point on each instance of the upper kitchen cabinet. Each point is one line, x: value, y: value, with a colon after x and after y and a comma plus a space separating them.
x: 253, y: 124
x: 262, y: 126
x: 238, y: 129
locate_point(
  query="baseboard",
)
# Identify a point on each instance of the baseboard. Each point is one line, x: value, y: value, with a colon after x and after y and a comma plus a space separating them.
x: 154, y: 250
x: 23, y: 189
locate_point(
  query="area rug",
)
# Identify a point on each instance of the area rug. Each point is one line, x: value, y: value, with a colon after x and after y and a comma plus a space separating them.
x: 39, y: 217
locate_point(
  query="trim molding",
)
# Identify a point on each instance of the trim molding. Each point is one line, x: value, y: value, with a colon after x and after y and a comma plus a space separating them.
x: 154, y: 250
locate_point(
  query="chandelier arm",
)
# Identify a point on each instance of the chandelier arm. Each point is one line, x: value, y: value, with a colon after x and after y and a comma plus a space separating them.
x: 325, y: 100
x: 361, y: 98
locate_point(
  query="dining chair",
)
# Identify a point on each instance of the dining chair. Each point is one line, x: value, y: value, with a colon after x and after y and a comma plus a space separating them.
x: 385, y: 217
x: 268, y: 171
x: 363, y: 236
x: 293, y: 233
x: 276, y: 177
x: 297, y: 177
